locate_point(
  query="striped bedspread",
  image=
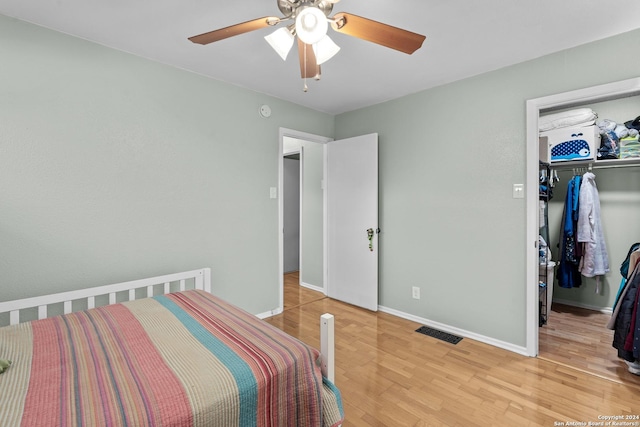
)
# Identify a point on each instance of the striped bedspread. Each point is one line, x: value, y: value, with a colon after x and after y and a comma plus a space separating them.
x: 182, y: 359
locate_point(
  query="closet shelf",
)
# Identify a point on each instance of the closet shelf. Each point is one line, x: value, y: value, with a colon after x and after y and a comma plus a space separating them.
x: 596, y: 164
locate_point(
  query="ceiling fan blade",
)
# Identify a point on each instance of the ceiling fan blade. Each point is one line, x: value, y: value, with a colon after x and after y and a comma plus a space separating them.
x: 309, y: 68
x: 234, y: 30
x: 377, y: 32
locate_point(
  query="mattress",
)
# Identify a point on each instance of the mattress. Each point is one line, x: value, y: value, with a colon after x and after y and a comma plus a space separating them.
x: 181, y: 359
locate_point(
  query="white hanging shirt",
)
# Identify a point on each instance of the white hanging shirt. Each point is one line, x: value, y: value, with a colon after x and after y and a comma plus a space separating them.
x: 595, y: 259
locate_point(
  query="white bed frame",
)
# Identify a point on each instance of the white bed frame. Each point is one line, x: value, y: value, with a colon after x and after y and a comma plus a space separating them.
x: 194, y: 279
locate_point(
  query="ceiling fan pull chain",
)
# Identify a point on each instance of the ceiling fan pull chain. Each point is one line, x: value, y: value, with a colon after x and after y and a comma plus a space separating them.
x: 304, y: 53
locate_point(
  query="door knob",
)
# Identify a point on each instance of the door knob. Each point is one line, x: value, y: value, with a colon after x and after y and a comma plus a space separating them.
x: 370, y: 233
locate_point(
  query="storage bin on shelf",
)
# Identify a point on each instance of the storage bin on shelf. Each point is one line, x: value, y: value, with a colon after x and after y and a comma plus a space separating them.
x: 569, y: 144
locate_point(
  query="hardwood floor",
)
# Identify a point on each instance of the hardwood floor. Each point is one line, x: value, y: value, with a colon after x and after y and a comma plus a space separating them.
x: 579, y: 338
x: 296, y: 295
x: 390, y: 375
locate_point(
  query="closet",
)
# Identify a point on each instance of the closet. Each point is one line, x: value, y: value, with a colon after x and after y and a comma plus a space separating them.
x: 618, y: 185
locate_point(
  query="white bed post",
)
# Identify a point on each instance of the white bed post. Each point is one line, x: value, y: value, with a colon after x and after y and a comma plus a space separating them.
x: 327, y: 346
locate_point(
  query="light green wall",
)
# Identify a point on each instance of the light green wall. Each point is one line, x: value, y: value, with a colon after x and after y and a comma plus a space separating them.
x: 113, y: 167
x: 448, y: 159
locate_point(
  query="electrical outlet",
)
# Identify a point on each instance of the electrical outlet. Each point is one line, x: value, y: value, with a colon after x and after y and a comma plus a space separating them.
x: 415, y: 292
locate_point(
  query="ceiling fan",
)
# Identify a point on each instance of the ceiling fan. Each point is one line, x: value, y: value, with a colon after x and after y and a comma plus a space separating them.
x: 310, y: 21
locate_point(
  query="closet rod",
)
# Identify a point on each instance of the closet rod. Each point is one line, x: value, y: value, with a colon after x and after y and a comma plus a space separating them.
x: 599, y: 164
x: 611, y: 166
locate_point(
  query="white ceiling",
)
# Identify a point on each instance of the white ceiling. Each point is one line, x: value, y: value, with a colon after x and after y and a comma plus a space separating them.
x: 464, y: 38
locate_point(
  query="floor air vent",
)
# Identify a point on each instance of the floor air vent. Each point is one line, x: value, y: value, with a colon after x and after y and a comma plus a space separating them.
x: 444, y: 336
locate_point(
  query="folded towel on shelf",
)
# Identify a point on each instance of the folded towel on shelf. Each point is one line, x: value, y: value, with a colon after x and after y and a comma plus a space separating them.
x: 577, y: 117
x: 629, y: 148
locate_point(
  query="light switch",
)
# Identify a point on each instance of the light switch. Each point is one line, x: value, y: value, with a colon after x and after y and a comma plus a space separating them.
x: 518, y: 191
x: 273, y: 192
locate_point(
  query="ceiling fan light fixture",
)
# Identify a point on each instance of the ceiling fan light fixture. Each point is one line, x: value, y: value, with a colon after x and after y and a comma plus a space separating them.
x: 311, y: 25
x: 281, y: 40
x: 325, y: 49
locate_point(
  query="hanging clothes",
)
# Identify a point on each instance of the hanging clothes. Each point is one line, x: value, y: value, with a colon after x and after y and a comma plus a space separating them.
x: 627, y: 266
x: 568, y: 269
x: 625, y: 319
x: 631, y: 343
x: 625, y: 325
x: 595, y: 259
x: 628, y: 271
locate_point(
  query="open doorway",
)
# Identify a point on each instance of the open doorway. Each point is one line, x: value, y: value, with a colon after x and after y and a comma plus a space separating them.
x: 297, y: 292
x: 292, y: 201
x: 302, y: 217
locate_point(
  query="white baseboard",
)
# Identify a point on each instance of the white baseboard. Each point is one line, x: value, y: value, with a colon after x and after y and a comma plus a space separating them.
x: 279, y: 310
x: 313, y: 287
x: 605, y: 310
x: 433, y: 324
x: 271, y: 313
x: 456, y: 331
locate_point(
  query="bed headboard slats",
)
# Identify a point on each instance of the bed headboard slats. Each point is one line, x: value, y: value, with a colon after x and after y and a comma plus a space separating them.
x: 201, y: 279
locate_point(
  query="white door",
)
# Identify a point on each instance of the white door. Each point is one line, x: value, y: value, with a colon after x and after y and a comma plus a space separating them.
x: 352, y: 209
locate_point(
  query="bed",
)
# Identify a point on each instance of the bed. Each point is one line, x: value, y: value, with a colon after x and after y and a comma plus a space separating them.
x: 162, y: 351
